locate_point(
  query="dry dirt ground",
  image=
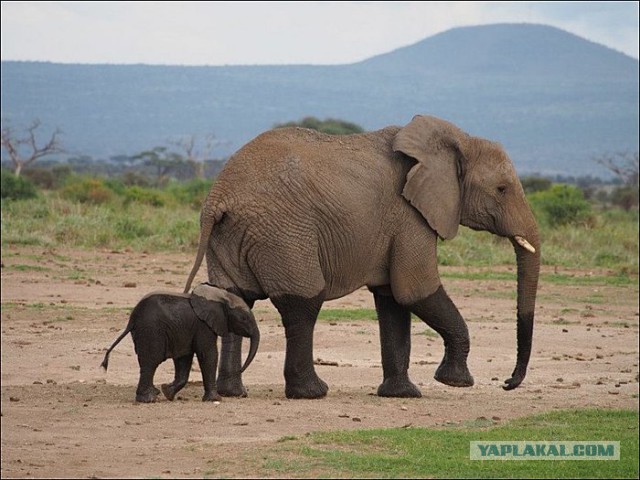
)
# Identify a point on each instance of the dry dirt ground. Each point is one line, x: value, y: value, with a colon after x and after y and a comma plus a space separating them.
x: 63, y: 416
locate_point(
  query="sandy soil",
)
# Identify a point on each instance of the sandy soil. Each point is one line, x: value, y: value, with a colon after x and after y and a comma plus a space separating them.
x: 63, y: 416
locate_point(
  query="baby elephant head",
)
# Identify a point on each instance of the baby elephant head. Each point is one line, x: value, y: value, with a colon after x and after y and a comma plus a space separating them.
x: 225, y: 312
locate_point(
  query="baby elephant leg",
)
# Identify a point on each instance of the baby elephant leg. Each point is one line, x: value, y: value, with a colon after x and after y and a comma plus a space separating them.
x: 181, y: 376
x: 146, y: 391
x: 208, y: 360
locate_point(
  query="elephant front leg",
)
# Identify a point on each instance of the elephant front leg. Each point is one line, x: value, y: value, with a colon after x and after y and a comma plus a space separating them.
x: 229, y: 383
x: 395, y: 342
x: 299, y: 317
x: 208, y: 361
x: 181, y: 376
x: 439, y: 312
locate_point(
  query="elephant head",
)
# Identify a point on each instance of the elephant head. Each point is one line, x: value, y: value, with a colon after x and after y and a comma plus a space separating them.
x: 225, y: 312
x: 461, y: 179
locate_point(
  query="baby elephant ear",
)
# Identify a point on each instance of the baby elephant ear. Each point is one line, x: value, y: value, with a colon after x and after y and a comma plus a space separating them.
x: 209, y: 307
x: 433, y: 183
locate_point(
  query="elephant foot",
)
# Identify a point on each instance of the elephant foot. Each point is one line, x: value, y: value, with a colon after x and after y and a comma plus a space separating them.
x: 399, y: 386
x: 148, y: 397
x: 231, y: 386
x: 168, y: 391
x: 211, y: 397
x: 454, y: 374
x: 315, y: 388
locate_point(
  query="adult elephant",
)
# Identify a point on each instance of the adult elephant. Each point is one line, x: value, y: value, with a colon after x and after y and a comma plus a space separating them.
x: 301, y: 217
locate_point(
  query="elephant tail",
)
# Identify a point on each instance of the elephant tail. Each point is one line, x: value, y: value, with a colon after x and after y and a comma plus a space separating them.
x: 208, y: 218
x: 105, y: 362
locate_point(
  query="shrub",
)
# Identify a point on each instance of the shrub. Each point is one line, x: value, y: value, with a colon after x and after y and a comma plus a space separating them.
x: 49, y: 178
x: 147, y: 196
x: 190, y: 193
x: 16, y: 188
x: 561, y: 205
x: 88, y: 190
x: 41, y: 177
x: 136, y: 178
x: 625, y: 197
x: 332, y: 126
x: 535, y: 184
x: 131, y: 228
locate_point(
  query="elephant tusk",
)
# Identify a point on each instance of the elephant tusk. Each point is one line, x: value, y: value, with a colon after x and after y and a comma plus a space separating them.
x: 524, y: 244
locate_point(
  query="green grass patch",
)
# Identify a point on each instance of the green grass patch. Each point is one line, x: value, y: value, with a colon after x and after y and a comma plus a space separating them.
x: 28, y: 268
x: 90, y: 213
x: 619, y: 279
x: 616, y: 279
x: 110, y: 224
x: 444, y: 453
x: 334, y: 314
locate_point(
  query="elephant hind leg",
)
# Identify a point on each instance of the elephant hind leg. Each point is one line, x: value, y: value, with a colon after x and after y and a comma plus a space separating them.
x: 299, y: 317
x: 395, y: 341
x: 146, y: 392
x: 439, y: 313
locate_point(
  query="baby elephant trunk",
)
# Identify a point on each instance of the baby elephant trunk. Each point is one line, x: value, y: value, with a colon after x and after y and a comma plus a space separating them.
x: 253, y: 348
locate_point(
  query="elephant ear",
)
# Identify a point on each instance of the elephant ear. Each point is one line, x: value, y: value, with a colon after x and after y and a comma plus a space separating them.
x: 210, y: 308
x: 433, y: 183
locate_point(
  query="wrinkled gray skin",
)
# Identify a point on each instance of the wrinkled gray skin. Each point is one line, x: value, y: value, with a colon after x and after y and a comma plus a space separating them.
x: 173, y: 325
x: 302, y: 217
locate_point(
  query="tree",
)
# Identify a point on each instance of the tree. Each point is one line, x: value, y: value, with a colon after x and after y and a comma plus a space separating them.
x: 624, y: 165
x: 162, y: 161
x: 24, y: 150
x: 196, y: 155
x: 330, y: 125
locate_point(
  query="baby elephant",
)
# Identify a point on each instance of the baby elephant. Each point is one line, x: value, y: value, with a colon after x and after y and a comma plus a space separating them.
x: 176, y: 325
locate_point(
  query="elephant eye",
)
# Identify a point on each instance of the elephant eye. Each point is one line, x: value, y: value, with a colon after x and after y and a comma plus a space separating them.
x: 502, y: 189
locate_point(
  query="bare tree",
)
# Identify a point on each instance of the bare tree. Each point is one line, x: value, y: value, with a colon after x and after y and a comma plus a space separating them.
x: 196, y: 155
x: 624, y: 165
x: 25, y: 150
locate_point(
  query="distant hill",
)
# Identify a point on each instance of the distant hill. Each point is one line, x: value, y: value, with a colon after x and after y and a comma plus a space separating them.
x: 553, y: 99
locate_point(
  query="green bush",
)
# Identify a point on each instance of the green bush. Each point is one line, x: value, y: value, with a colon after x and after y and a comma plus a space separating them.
x: 137, y: 179
x: 535, y: 184
x: 48, y: 178
x: 16, y: 188
x: 190, y: 193
x: 332, y: 126
x: 625, y: 197
x: 561, y: 205
x: 127, y: 228
x: 148, y: 196
x: 87, y: 190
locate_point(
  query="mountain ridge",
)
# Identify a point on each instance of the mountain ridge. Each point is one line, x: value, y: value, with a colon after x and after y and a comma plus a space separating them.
x: 553, y: 99
x: 504, y: 38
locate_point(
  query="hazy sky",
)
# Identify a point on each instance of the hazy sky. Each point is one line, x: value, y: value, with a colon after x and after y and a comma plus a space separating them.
x: 246, y: 33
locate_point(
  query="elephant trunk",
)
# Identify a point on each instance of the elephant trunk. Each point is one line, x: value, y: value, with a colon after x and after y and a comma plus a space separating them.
x: 253, y: 348
x: 528, y: 272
